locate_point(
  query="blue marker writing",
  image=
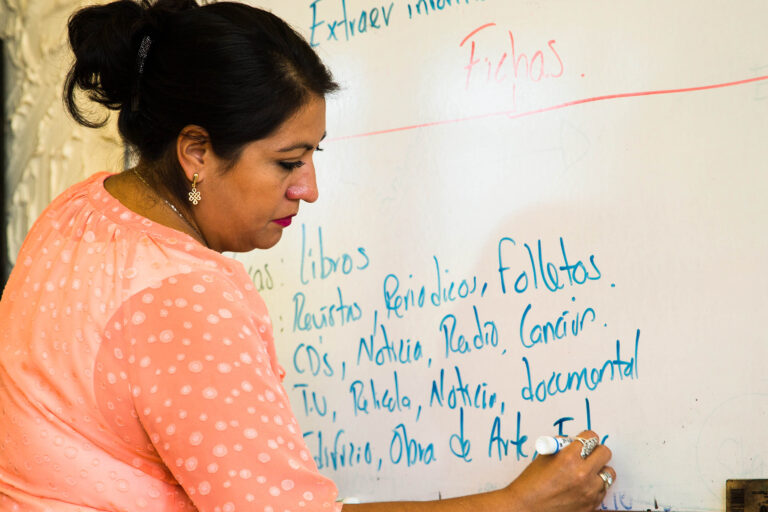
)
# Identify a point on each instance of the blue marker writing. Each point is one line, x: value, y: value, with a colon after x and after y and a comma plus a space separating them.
x: 547, y: 445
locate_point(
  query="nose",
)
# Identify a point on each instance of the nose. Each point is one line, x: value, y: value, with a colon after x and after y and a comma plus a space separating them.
x: 305, y: 186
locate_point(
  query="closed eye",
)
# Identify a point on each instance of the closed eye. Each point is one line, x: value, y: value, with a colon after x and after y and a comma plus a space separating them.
x: 291, y: 166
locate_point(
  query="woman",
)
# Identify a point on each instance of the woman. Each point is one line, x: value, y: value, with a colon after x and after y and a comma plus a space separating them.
x: 137, y: 368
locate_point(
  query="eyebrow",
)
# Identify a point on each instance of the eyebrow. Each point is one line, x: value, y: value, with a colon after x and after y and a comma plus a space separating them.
x: 305, y: 145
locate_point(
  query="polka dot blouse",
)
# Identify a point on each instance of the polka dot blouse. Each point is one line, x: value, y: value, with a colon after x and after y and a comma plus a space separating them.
x: 138, y: 372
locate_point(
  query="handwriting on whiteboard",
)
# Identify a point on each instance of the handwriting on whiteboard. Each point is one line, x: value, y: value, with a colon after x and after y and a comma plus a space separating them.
x: 340, y: 21
x: 407, y: 356
x: 510, y: 64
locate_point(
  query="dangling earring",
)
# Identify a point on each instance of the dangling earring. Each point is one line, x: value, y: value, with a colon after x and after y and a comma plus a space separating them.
x: 194, y: 194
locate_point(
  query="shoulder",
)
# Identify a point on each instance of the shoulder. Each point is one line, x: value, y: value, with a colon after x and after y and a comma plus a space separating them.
x: 208, y: 287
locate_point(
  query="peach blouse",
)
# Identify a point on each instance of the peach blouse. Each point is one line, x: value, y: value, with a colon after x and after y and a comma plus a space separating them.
x: 138, y: 372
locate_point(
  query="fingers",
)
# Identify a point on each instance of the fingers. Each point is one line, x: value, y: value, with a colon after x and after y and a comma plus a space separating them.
x: 566, y: 482
x: 607, y: 476
x: 596, y: 475
x: 596, y: 455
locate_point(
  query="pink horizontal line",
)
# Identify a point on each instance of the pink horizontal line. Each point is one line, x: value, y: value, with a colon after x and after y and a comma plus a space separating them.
x: 511, y: 114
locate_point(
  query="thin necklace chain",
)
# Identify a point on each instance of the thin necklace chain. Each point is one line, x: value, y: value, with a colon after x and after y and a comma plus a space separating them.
x: 171, y: 206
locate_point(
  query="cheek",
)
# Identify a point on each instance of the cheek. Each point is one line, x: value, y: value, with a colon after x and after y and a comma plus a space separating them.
x: 261, y: 208
x: 258, y: 199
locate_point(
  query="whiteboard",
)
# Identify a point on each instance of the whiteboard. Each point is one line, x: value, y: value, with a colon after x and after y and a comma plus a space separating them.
x: 534, y: 217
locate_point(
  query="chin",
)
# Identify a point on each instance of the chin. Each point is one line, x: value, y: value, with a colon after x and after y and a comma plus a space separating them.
x: 260, y: 243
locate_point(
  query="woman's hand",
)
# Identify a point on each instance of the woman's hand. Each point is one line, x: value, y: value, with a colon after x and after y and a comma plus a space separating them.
x: 564, y: 482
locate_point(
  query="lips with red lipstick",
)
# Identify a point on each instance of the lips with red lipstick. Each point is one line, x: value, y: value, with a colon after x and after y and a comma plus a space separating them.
x: 285, y: 221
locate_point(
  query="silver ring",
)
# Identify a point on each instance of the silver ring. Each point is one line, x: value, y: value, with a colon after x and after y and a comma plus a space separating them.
x: 587, y: 445
x: 607, y: 479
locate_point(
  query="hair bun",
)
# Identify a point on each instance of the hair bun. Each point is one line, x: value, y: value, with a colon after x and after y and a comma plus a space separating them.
x: 157, y: 14
x: 173, y: 5
x: 105, y: 40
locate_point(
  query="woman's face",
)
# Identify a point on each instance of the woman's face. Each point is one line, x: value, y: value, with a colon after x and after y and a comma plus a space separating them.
x: 249, y: 205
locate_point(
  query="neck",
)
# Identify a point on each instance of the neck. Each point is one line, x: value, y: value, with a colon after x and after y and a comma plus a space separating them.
x: 190, y: 226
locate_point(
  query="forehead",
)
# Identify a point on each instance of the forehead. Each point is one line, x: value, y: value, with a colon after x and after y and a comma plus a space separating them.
x: 305, y: 126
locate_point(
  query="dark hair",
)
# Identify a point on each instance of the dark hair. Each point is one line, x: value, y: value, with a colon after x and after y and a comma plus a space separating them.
x: 235, y: 70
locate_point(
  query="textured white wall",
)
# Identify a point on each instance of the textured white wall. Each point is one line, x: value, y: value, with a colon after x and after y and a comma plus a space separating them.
x: 47, y: 151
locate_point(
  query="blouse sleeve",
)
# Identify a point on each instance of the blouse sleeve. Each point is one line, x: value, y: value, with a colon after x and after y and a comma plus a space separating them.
x: 205, y: 389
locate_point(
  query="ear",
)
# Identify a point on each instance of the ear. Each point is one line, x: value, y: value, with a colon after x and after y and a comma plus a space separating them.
x: 194, y: 151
